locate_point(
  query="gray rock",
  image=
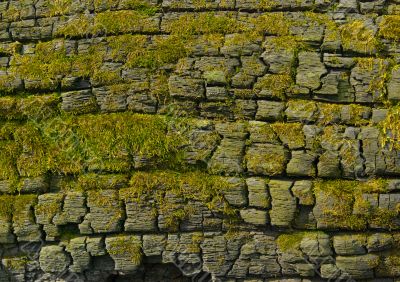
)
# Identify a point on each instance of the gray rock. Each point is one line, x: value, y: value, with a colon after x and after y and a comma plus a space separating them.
x: 253, y: 216
x: 379, y: 242
x: 270, y: 110
x: 283, y: 203
x: 236, y: 193
x: 349, y: 244
x: 186, y: 88
x: 258, y: 192
x: 217, y: 93
x: 394, y: 85
x: 106, y: 213
x: 53, y: 259
x: 79, y: 253
x: 95, y: 246
x: 73, y: 210
x: 302, y: 164
x: 154, y: 245
x: 79, y: 102
x: 329, y: 271
x: 277, y: 58
x: 228, y: 157
x: 358, y: 267
x: 310, y: 70
x: 139, y: 218
x: 302, y: 190
x: 126, y: 252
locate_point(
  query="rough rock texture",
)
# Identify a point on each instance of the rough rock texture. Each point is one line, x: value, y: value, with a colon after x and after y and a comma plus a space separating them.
x: 200, y: 140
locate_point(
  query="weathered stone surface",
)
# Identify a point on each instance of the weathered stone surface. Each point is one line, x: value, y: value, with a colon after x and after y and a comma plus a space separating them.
x: 53, y: 259
x: 186, y: 87
x: 358, y: 267
x: 270, y: 110
x: 228, y: 157
x: 283, y: 203
x: 258, y: 192
x: 106, y: 212
x: 79, y: 102
x: 310, y: 70
x: 302, y: 164
x: 349, y: 244
x: 253, y: 216
x: 125, y: 251
x: 394, y: 85
x: 154, y: 245
x: 266, y: 159
x: 73, y: 209
x: 80, y: 256
x: 302, y: 190
x: 379, y: 242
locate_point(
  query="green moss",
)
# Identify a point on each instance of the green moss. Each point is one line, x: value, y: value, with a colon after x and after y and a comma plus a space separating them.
x: 390, y: 129
x: 358, y: 37
x: 381, y: 69
x: 15, y: 263
x: 389, y: 27
x: 290, y: 134
x: 109, y: 142
x: 140, y: 19
x: 190, y: 186
x: 137, y: 52
x: 329, y: 113
x: 268, y: 4
x: 127, y: 246
x: 31, y: 107
x: 58, y: 7
x: 350, y: 210
x: 49, y: 64
x: 292, y: 241
x: 203, y: 23
x: 6, y: 207
x: 94, y: 181
x: 272, y: 24
x: 277, y: 84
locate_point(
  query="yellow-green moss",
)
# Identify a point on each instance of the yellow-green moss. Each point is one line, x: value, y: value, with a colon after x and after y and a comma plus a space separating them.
x: 382, y: 68
x: 97, y: 142
x: 290, y: 134
x: 390, y: 129
x: 31, y: 107
x: 277, y: 84
x: 6, y: 207
x: 329, y: 113
x: 350, y: 209
x: 204, y: 23
x: 189, y: 186
x: 292, y: 241
x: 358, y: 37
x: 95, y: 181
x: 127, y: 246
x: 389, y: 27
x: 111, y: 22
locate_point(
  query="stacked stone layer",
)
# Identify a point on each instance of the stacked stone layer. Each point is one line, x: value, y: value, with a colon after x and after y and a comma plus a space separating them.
x: 199, y: 140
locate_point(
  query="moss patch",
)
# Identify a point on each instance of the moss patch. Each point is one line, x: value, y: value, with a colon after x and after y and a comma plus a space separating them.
x: 389, y: 27
x: 109, y: 142
x: 344, y: 206
x: 291, y: 242
x: 390, y: 129
x: 189, y: 186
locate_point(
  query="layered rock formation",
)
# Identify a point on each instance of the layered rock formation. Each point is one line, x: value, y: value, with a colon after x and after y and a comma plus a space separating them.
x: 199, y: 140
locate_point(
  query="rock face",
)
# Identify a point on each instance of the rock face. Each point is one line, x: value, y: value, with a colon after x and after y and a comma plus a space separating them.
x: 199, y: 140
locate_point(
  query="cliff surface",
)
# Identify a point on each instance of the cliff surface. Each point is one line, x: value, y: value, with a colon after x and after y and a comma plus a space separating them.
x: 199, y: 140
